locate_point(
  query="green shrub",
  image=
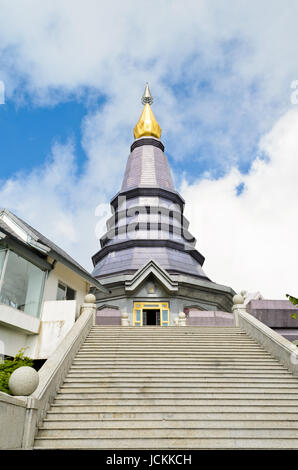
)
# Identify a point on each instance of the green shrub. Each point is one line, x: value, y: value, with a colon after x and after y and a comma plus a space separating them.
x: 10, y: 365
x: 292, y: 299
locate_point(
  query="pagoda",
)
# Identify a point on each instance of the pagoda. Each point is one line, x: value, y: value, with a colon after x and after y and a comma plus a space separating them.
x: 148, y: 258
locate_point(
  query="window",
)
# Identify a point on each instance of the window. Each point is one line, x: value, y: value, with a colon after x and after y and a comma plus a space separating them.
x: 22, y: 284
x: 2, y: 258
x: 65, y: 292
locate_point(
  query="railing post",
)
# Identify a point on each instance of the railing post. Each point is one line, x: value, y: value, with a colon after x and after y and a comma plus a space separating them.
x: 182, y: 319
x: 89, y: 304
x: 124, y: 319
x: 238, y: 301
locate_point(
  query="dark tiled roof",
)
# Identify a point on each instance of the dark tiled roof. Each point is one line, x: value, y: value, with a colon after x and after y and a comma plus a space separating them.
x: 132, y: 259
x: 147, y: 166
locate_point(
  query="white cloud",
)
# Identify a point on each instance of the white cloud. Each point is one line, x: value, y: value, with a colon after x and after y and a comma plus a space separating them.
x: 221, y: 72
x: 250, y: 240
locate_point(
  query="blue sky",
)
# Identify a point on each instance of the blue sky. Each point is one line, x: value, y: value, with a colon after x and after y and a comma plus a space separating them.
x: 28, y: 133
x: 220, y: 74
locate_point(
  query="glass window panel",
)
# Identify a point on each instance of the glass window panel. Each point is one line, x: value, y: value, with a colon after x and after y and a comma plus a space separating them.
x: 65, y: 293
x: 165, y: 315
x: 138, y: 315
x: 2, y: 258
x: 61, y: 292
x: 70, y: 294
x: 22, y: 285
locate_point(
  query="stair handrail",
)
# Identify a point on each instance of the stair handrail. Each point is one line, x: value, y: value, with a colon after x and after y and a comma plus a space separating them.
x: 55, y: 369
x: 278, y: 346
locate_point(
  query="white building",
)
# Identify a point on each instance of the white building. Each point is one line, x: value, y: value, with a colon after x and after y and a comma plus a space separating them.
x: 41, y: 290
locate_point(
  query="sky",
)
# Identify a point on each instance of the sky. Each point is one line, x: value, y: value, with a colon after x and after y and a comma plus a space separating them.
x: 220, y: 72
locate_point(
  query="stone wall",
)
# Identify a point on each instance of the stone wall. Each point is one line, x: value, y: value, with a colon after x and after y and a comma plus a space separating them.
x: 12, y: 419
x: 280, y: 315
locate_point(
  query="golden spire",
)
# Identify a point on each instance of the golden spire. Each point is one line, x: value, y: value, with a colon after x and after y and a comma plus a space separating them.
x: 147, y: 124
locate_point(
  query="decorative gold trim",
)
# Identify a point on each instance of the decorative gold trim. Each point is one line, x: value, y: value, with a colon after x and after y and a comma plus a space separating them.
x: 147, y: 124
x: 140, y: 306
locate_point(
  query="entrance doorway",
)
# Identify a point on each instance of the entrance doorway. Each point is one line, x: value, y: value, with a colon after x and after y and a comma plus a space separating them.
x: 149, y: 314
x: 151, y: 317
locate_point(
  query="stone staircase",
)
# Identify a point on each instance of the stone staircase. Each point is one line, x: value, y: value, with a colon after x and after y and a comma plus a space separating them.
x: 173, y: 388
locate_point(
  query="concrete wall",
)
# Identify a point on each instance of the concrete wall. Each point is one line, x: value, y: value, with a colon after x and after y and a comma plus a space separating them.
x: 18, y: 320
x: 19, y: 416
x: 57, y: 319
x: 209, y: 318
x: 68, y: 277
x: 108, y: 316
x: 40, y: 336
x: 11, y: 340
x: 274, y: 313
x: 12, y: 418
x: 15, y: 329
x: 281, y: 315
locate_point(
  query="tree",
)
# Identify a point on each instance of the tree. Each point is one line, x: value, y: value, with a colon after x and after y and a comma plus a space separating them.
x: 293, y: 300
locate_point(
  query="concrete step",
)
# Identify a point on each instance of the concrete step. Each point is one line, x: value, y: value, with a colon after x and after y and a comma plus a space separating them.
x: 172, y: 388
x: 175, y: 347
x: 210, y: 339
x: 161, y: 333
x: 192, y: 339
x: 241, y: 355
x: 157, y: 327
x: 173, y: 394
x: 178, y: 381
x: 176, y: 394
x: 140, y: 361
x: 136, y: 415
x: 170, y: 407
x: 167, y: 424
x: 167, y: 332
x: 159, y: 356
x: 88, y: 345
x: 144, y: 388
x: 183, y: 433
x: 168, y: 329
x: 165, y: 443
x: 173, y: 351
x: 141, y: 367
x: 185, y: 344
x: 180, y: 375
x: 138, y: 400
x: 166, y: 358
x: 162, y: 343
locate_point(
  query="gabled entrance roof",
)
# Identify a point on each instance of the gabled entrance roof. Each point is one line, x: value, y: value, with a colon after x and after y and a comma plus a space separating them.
x: 151, y: 268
